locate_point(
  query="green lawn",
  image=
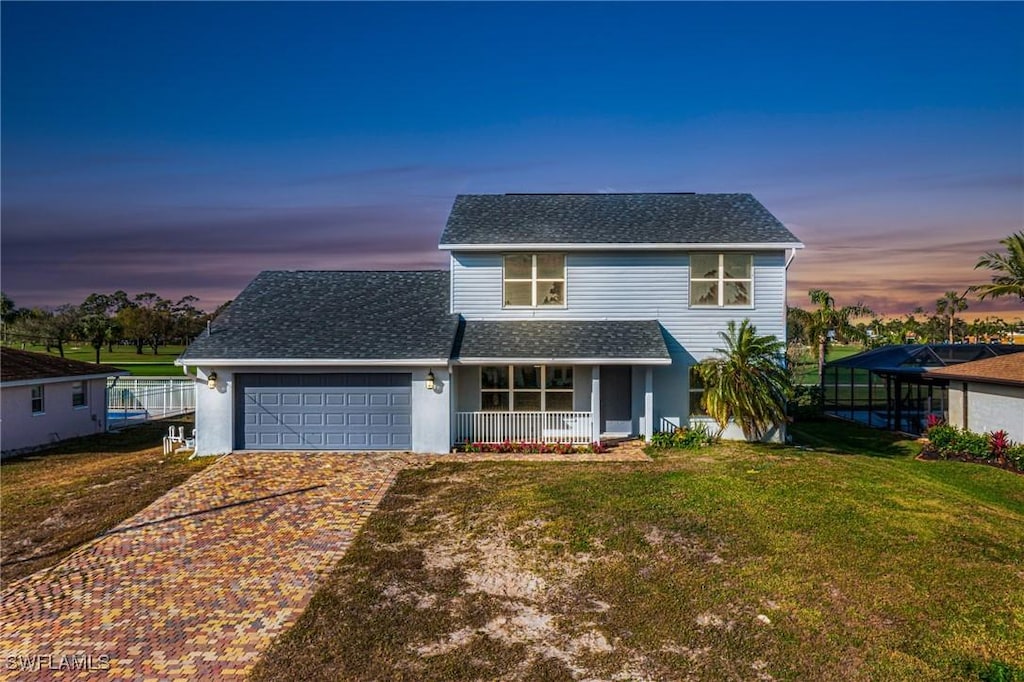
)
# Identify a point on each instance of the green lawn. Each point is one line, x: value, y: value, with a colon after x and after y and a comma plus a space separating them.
x: 123, y: 357
x: 851, y: 561
x: 808, y: 373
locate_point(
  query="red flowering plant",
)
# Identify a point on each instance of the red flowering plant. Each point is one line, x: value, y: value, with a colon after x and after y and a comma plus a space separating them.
x: 999, y: 444
x: 933, y: 421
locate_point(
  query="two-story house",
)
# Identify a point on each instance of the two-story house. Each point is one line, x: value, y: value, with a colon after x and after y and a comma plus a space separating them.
x: 563, y: 317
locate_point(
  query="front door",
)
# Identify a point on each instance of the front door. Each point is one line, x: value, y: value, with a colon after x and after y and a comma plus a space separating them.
x: 616, y: 400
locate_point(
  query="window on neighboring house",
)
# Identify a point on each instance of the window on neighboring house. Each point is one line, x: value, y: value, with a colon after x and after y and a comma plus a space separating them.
x: 721, y: 280
x: 534, y: 280
x: 546, y: 388
x: 78, y: 394
x: 38, y: 400
x: 696, y: 394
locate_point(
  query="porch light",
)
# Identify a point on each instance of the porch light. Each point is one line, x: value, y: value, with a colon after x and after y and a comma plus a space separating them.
x: 430, y: 380
x: 211, y: 380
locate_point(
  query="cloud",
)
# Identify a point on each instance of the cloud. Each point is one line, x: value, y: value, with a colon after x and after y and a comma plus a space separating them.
x: 52, y: 256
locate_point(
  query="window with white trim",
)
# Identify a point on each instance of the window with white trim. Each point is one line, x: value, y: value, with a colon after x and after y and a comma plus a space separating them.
x: 721, y: 280
x: 696, y: 394
x: 38, y: 399
x: 79, y: 394
x: 533, y: 388
x: 533, y: 280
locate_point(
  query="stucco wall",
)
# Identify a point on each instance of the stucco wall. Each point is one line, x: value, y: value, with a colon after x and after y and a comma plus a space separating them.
x: 20, y: 429
x: 431, y: 425
x: 989, y: 408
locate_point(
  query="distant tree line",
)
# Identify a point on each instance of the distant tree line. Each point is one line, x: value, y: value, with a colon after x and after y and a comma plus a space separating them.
x: 145, y: 320
x: 814, y: 330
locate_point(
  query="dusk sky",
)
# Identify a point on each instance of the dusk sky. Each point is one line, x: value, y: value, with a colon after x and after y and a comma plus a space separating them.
x: 182, y: 148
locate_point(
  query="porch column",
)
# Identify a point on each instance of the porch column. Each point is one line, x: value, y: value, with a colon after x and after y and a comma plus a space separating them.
x: 648, y: 404
x: 595, y: 401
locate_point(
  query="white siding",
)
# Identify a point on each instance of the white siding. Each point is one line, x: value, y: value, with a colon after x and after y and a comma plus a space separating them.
x: 628, y: 286
x: 989, y: 408
x: 633, y: 286
x: 60, y: 420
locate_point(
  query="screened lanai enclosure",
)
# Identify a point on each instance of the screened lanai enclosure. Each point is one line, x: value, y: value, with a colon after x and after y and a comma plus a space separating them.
x: 889, y: 387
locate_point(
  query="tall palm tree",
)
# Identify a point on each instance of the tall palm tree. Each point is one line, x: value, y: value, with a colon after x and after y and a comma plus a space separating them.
x: 948, y: 306
x: 827, y: 322
x: 1008, y: 270
x: 748, y: 382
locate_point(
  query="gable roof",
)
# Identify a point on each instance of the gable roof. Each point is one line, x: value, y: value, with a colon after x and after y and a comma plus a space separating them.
x: 1005, y: 369
x: 638, y: 341
x: 333, y: 316
x: 613, y: 219
x: 23, y: 365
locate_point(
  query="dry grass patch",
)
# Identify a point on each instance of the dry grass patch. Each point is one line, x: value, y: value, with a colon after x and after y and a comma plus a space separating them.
x: 54, y: 500
x: 737, y: 562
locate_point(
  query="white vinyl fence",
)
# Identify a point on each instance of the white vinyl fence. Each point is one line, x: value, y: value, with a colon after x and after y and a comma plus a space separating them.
x: 136, y: 399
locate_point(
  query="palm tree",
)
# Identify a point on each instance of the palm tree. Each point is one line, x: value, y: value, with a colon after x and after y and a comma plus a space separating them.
x: 948, y: 306
x: 827, y: 322
x: 1008, y: 269
x: 748, y: 382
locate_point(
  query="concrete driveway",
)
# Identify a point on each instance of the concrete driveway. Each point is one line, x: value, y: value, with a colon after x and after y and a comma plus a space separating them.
x: 199, y: 583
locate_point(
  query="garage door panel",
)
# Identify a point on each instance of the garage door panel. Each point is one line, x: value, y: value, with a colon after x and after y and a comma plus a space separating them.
x: 345, y: 411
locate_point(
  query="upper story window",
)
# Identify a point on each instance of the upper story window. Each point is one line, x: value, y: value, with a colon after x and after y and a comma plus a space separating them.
x: 38, y: 400
x: 79, y: 394
x: 534, y: 280
x: 722, y: 280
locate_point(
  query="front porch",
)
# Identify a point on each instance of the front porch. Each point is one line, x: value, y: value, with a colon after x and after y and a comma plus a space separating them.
x: 497, y: 403
x: 529, y: 427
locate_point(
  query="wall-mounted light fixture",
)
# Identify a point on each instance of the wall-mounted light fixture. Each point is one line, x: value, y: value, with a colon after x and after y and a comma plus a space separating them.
x: 211, y: 380
x: 430, y: 380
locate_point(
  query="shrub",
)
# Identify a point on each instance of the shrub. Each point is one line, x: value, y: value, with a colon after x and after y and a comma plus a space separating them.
x: 696, y: 436
x: 533, y: 448
x: 808, y: 402
x: 1015, y: 456
x: 942, y: 438
x: 948, y: 441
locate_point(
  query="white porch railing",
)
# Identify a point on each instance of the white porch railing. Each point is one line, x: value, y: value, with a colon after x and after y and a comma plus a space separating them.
x: 532, y: 427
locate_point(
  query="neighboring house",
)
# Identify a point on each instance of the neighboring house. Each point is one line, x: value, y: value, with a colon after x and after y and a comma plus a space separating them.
x: 45, y: 399
x: 987, y: 395
x: 562, y: 318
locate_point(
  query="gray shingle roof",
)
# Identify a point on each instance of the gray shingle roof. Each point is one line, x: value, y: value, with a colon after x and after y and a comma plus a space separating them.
x: 612, y: 219
x: 334, y: 315
x: 563, y: 340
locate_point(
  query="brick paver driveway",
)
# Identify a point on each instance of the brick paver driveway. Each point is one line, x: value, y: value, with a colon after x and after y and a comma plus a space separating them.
x: 199, y: 583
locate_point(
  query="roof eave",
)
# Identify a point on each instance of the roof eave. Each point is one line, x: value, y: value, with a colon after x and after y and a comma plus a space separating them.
x: 309, y: 362
x: 975, y: 379
x: 62, y: 379
x: 568, y: 360
x: 606, y: 246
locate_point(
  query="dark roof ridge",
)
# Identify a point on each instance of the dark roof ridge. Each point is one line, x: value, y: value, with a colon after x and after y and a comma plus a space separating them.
x: 594, y: 194
x: 363, y: 272
x: 635, y: 218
